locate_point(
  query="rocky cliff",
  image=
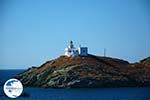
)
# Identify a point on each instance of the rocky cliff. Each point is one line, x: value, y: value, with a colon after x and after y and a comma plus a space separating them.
x: 89, y: 71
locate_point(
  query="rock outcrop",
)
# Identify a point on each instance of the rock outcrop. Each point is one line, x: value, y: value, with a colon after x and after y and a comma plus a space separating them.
x: 89, y: 71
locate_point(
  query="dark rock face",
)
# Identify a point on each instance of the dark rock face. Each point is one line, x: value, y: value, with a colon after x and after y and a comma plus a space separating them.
x: 90, y: 71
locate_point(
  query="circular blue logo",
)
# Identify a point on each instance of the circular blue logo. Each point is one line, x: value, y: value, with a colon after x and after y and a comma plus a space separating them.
x: 13, y: 88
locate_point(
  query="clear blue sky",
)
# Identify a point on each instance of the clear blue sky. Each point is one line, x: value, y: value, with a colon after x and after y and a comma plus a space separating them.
x: 34, y: 31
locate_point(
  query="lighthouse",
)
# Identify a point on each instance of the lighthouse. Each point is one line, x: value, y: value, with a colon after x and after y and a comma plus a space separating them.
x: 71, y: 51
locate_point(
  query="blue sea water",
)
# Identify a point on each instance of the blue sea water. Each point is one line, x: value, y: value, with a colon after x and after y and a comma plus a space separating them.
x: 76, y: 94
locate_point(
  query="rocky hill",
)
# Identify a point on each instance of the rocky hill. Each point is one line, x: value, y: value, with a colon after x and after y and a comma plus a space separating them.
x: 89, y: 71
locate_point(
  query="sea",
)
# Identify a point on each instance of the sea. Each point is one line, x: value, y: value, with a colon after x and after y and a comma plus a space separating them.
x: 74, y: 93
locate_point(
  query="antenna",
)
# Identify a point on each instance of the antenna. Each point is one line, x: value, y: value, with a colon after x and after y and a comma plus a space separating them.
x: 104, y: 52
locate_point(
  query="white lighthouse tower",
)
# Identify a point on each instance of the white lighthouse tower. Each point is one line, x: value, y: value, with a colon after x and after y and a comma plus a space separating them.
x: 71, y: 51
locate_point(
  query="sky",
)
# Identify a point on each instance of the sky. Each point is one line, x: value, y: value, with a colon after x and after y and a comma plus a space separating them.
x: 35, y: 31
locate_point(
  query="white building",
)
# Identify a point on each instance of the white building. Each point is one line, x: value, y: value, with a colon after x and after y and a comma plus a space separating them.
x: 83, y: 51
x: 71, y: 51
